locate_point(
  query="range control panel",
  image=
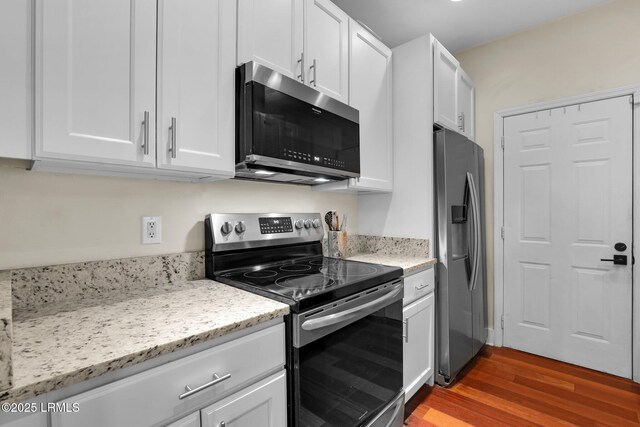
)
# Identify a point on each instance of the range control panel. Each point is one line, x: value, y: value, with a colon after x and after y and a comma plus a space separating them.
x: 270, y: 225
x: 245, y: 231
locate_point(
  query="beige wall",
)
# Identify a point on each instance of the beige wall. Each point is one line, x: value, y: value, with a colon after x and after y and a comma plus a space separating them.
x: 595, y: 50
x: 50, y: 218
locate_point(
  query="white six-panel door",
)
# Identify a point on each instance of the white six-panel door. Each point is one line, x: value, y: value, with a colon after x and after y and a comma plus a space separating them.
x: 95, y: 79
x: 567, y: 202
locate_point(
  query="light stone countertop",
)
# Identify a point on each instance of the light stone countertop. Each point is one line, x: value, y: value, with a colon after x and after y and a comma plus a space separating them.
x: 53, y: 350
x: 409, y: 264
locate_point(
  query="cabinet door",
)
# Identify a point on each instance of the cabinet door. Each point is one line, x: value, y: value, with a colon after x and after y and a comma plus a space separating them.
x: 445, y: 83
x: 263, y: 404
x: 95, y: 79
x: 466, y: 105
x: 196, y: 73
x: 270, y: 32
x: 370, y: 93
x: 326, y: 44
x: 16, y: 75
x: 192, y: 420
x: 418, y: 353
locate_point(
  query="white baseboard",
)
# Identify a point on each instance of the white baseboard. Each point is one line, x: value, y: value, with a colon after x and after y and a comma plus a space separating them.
x: 490, y: 340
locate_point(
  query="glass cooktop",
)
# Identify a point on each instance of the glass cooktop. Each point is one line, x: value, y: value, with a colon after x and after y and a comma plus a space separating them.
x: 308, y: 282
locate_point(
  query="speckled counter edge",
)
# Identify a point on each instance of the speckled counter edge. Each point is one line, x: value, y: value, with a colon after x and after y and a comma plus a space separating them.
x: 6, y: 343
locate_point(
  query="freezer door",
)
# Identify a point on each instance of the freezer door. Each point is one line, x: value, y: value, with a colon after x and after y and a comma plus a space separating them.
x: 454, y: 158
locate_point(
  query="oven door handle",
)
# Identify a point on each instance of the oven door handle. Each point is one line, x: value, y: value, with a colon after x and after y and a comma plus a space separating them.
x: 343, y: 316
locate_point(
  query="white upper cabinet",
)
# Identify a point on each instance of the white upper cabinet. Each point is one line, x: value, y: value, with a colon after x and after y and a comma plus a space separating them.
x: 370, y: 93
x: 196, y: 61
x: 95, y: 81
x: 326, y: 38
x: 445, y: 87
x: 270, y: 33
x: 453, y: 93
x: 307, y: 40
x: 16, y: 92
x: 466, y: 105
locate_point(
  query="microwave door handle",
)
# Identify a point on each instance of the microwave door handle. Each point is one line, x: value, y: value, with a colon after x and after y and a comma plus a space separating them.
x: 343, y: 316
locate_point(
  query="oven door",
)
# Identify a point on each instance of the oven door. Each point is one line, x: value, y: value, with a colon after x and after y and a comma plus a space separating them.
x: 347, y: 361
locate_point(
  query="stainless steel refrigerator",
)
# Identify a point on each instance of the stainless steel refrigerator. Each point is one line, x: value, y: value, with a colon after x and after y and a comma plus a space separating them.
x: 461, y: 285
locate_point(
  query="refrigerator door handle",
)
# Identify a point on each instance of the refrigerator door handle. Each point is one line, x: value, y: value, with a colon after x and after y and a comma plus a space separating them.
x: 476, y: 231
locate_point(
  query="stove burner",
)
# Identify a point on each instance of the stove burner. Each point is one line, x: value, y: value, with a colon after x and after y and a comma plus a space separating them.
x: 260, y: 274
x: 362, y: 270
x: 295, y: 267
x: 324, y: 261
x: 302, y: 281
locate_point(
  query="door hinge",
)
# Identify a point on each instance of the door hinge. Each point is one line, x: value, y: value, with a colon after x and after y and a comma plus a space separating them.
x: 502, y: 232
x: 502, y: 322
x: 502, y: 142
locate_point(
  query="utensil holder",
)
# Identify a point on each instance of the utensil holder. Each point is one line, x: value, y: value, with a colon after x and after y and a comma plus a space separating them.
x: 337, y: 244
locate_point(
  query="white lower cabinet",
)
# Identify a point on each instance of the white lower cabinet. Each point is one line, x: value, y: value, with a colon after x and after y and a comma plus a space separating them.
x: 192, y: 420
x: 262, y: 405
x: 418, y: 352
x: 218, y: 374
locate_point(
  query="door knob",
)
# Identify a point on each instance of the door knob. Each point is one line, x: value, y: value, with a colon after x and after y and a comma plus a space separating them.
x: 617, y: 260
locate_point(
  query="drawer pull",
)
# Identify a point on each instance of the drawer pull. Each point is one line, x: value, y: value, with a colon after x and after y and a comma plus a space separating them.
x: 216, y: 380
x: 421, y: 286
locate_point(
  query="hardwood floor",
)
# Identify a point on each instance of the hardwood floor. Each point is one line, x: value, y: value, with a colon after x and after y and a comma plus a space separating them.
x: 505, y: 387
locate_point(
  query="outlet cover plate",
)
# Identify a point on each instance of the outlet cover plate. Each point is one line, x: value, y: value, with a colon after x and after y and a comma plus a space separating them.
x: 151, y: 230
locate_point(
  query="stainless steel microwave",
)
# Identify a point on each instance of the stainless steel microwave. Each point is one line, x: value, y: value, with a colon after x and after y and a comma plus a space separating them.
x: 287, y: 131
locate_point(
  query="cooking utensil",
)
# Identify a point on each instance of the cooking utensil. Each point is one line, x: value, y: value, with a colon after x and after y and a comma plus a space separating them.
x: 328, y: 218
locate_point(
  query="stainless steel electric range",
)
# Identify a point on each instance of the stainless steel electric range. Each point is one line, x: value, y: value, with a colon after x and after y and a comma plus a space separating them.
x: 344, y: 333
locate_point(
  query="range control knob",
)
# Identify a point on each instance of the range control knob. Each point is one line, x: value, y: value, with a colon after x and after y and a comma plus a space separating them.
x: 299, y: 224
x: 226, y: 228
x: 240, y: 227
x: 307, y: 223
x: 316, y: 223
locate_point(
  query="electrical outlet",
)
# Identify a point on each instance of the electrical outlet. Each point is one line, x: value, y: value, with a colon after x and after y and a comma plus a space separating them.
x: 151, y: 230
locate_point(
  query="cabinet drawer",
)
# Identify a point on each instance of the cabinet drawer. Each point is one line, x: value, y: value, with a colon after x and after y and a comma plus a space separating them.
x: 152, y: 396
x: 418, y: 285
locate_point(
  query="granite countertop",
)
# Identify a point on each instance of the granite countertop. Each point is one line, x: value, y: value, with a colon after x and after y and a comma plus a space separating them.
x: 410, y: 264
x: 59, y: 346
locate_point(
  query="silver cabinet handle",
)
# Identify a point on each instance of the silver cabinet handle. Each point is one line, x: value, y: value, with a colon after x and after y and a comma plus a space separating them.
x: 145, y: 136
x: 301, y: 62
x: 222, y: 424
x: 463, y: 125
x: 216, y: 380
x: 460, y: 122
x: 421, y: 286
x: 315, y: 69
x: 406, y: 334
x: 173, y: 145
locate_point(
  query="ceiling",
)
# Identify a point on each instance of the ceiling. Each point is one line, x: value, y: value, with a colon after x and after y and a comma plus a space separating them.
x: 458, y: 25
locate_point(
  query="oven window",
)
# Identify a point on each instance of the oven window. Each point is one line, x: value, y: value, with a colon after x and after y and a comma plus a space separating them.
x: 347, y: 377
x: 287, y: 128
